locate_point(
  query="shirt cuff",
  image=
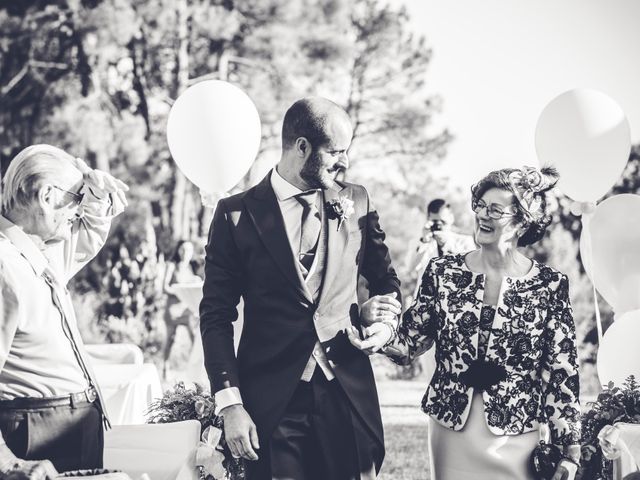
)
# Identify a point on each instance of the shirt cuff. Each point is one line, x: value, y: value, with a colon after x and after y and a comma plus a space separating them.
x: 226, y: 397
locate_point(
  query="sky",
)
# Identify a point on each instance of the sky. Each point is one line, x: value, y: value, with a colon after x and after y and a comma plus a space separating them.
x: 497, y: 63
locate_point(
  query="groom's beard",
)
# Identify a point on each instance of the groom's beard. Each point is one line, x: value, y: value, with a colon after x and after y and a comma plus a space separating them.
x: 317, y: 175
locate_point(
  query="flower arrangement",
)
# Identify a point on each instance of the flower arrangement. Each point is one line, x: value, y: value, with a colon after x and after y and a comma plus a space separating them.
x: 213, y: 456
x: 614, y: 404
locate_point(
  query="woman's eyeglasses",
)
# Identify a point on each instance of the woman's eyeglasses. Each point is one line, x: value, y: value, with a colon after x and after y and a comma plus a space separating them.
x: 494, y: 211
x: 77, y: 197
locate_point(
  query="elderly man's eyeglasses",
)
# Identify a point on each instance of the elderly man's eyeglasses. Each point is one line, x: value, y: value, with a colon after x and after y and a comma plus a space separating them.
x: 494, y: 211
x: 77, y: 197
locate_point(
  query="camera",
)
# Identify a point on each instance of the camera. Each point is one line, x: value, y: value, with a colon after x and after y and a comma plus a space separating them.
x: 436, y: 225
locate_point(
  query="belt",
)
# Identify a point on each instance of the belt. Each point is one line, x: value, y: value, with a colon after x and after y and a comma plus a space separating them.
x: 72, y: 400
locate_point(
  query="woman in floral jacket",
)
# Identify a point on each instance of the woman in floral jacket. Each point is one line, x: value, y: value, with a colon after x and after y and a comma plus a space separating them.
x: 505, y: 341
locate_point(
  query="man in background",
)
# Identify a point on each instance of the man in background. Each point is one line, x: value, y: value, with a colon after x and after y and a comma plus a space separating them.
x: 438, y: 238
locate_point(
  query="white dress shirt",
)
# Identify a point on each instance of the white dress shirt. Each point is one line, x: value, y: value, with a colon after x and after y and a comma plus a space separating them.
x: 36, y: 356
x: 291, y: 210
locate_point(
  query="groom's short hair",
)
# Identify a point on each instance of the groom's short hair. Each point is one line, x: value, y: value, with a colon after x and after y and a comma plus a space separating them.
x: 308, y: 118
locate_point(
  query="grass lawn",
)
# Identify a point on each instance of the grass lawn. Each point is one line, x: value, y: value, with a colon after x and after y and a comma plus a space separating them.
x: 405, y: 431
x: 406, y: 457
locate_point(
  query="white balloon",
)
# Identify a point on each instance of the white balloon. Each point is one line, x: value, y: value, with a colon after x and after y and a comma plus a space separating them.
x: 618, y: 353
x: 586, y: 136
x: 213, y: 132
x: 613, y: 261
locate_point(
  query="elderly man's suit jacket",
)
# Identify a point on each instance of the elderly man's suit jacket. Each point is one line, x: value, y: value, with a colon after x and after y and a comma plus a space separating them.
x: 532, y: 336
x: 249, y: 255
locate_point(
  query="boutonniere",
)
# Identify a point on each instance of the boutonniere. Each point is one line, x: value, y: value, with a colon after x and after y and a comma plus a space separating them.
x: 340, y: 208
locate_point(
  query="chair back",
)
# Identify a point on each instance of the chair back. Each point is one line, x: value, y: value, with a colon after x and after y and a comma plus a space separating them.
x: 164, y: 451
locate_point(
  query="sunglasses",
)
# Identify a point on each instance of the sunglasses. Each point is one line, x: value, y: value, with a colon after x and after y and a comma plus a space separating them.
x: 494, y: 211
x: 77, y: 197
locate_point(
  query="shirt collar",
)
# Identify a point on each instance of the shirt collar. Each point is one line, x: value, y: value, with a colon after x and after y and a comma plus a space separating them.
x: 283, y: 189
x: 23, y: 243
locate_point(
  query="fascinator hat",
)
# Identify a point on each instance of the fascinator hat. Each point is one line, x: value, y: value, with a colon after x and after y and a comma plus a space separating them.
x: 528, y: 186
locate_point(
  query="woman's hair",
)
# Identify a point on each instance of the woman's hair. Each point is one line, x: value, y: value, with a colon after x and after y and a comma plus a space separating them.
x: 177, y: 255
x: 528, y: 186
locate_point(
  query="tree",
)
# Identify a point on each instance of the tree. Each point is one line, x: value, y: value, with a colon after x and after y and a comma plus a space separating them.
x: 98, y: 77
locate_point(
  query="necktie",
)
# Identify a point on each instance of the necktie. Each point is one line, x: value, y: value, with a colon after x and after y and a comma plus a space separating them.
x: 311, y: 225
x: 58, y: 297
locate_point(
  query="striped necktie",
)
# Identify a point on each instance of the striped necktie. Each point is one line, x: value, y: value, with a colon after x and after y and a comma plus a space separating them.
x: 311, y: 226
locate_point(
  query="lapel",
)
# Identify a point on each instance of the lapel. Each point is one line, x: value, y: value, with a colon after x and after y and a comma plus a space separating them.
x: 336, y: 240
x: 266, y: 215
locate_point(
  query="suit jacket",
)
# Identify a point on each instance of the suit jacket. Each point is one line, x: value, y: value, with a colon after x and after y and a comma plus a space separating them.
x: 532, y: 336
x: 249, y: 255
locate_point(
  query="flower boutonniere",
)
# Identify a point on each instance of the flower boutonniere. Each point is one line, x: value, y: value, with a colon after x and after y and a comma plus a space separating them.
x: 340, y: 208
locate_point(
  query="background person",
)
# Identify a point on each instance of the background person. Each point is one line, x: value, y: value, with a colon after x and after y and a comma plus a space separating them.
x: 179, y: 271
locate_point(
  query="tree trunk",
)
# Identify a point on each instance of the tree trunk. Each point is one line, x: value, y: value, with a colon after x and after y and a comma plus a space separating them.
x: 179, y: 216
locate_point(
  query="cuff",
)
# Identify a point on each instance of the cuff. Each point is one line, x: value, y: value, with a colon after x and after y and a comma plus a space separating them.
x: 95, y: 205
x: 226, y: 397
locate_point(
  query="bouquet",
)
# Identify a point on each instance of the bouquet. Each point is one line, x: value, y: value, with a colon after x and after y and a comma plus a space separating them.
x: 213, y: 456
x: 614, y: 404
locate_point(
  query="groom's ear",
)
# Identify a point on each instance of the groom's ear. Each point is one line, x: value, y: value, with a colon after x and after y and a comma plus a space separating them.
x: 303, y: 147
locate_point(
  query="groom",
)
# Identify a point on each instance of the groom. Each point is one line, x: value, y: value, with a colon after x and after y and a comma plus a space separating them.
x: 299, y: 400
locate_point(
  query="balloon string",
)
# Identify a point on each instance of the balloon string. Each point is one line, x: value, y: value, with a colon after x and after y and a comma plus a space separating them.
x: 587, y: 260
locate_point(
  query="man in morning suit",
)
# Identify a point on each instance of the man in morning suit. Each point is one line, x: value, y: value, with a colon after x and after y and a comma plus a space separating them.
x: 298, y: 399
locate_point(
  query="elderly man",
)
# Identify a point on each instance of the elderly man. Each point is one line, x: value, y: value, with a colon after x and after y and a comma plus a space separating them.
x: 56, y: 214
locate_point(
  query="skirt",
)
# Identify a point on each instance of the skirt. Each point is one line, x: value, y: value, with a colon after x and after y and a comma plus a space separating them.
x: 474, y: 453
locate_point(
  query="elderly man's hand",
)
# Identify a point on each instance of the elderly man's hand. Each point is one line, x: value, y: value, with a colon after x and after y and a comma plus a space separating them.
x: 30, y: 470
x: 379, y: 308
x: 103, y: 185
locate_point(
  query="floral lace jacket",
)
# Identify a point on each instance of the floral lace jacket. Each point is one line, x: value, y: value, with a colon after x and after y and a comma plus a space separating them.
x: 532, y: 336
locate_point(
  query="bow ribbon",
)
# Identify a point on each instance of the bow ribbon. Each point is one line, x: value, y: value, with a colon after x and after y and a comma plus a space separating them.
x: 208, y: 456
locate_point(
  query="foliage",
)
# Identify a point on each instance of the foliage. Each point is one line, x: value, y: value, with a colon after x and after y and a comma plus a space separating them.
x: 182, y: 403
x: 614, y: 404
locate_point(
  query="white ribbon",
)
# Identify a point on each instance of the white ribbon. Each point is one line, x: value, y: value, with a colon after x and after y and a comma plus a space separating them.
x: 208, y: 456
x: 587, y: 260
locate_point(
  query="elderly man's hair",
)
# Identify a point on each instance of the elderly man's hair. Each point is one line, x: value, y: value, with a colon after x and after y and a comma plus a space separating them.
x: 29, y: 170
x: 308, y: 118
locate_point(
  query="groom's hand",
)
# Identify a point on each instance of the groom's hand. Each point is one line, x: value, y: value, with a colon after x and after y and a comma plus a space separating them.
x: 380, y: 308
x: 240, y: 432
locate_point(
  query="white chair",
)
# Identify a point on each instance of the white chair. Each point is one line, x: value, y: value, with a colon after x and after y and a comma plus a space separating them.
x: 118, y: 353
x: 620, y: 442
x: 163, y: 451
